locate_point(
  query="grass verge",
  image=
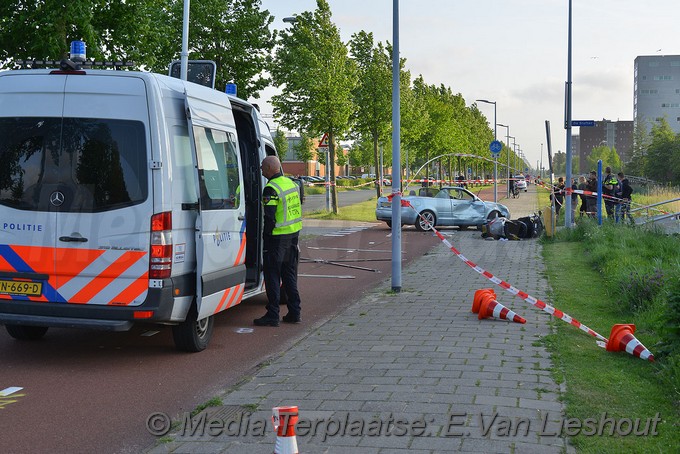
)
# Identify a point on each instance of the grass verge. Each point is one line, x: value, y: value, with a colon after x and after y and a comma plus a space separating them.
x: 363, y: 212
x: 587, y: 270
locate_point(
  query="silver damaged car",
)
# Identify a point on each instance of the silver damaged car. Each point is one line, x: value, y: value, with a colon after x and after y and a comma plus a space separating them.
x: 450, y: 206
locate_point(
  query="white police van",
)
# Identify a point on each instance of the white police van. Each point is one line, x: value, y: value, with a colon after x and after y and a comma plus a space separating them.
x: 126, y: 197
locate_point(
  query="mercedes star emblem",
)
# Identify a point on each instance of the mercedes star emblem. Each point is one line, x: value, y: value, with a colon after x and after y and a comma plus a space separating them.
x: 57, y: 198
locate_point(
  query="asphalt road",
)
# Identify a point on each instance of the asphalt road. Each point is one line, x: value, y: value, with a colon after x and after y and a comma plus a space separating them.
x: 91, y: 391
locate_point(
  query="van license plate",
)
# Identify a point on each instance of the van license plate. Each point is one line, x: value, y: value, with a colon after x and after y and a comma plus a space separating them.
x: 21, y: 288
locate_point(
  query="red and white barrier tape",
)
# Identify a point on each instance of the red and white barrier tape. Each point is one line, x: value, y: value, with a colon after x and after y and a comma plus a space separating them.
x: 568, y: 191
x: 505, y: 285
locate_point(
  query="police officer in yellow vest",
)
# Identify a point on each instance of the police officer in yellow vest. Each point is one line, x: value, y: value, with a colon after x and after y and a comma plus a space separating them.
x: 609, y: 186
x: 282, y: 225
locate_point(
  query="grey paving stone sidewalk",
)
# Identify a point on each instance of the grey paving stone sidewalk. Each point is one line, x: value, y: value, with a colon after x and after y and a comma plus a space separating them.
x: 409, y: 372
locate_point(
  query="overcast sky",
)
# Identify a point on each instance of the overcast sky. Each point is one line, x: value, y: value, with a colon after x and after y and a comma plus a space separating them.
x: 514, y: 52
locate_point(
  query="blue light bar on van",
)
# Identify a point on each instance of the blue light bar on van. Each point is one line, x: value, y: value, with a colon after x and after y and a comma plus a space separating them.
x: 85, y: 65
x: 230, y: 89
x: 78, y: 51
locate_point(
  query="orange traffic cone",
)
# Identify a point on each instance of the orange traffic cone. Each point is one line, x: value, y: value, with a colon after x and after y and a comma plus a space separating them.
x: 622, y: 339
x: 485, y: 305
x: 479, y: 296
x: 284, y: 420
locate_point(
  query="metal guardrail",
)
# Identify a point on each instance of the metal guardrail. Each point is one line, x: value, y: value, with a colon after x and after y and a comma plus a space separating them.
x: 654, y: 205
x: 661, y: 218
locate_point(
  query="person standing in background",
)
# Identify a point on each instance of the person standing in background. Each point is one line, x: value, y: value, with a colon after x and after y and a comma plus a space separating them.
x: 558, y: 194
x: 582, y: 186
x: 625, y: 193
x: 609, y: 184
x: 592, y: 198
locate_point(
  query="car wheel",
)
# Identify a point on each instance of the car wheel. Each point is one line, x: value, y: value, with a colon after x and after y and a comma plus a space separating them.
x: 421, y: 225
x: 26, y: 332
x: 462, y: 227
x: 193, y: 335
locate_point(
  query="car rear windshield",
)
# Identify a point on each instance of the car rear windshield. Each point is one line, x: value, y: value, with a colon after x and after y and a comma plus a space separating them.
x: 96, y: 164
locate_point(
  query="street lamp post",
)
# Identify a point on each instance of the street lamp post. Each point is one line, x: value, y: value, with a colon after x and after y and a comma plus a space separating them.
x: 495, y: 158
x: 567, y: 124
x: 507, y: 145
x: 396, y: 153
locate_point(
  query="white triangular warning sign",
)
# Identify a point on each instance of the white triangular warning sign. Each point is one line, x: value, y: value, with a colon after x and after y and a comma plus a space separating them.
x: 324, y: 140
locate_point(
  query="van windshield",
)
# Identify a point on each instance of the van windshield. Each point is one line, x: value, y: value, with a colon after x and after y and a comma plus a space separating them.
x: 96, y: 164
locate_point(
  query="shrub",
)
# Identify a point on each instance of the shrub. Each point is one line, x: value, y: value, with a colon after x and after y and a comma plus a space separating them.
x: 671, y: 327
x: 639, y: 289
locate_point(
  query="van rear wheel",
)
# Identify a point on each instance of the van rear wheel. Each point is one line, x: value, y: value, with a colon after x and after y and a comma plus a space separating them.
x: 193, y: 335
x: 26, y: 332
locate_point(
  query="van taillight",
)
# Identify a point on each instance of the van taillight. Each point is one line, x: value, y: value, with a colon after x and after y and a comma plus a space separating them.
x: 160, y: 265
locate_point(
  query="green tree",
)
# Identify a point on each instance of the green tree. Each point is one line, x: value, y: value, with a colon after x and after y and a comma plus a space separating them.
x: 112, y: 29
x: 662, y: 157
x: 414, y: 120
x: 317, y: 78
x: 341, y: 157
x: 559, y: 163
x: 437, y: 128
x: 575, y: 160
x: 281, y: 143
x: 361, y: 153
x: 608, y: 155
x: 372, y: 95
x: 641, y: 141
x: 305, y: 149
x: 235, y: 34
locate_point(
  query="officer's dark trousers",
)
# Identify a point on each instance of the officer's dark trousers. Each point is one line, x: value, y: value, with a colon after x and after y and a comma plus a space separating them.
x: 281, y: 258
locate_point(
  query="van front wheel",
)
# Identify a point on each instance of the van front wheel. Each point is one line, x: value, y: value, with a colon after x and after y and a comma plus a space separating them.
x: 193, y: 335
x: 26, y: 332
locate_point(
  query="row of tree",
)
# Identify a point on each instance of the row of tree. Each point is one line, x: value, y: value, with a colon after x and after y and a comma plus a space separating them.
x: 608, y: 155
x: 326, y: 85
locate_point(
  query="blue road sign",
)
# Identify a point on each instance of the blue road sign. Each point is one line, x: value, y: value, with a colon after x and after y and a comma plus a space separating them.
x: 583, y: 122
x: 495, y: 147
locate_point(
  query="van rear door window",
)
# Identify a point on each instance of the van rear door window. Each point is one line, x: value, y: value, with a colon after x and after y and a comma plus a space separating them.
x: 97, y: 164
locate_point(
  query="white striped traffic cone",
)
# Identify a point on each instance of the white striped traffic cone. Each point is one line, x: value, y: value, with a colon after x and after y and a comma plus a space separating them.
x: 621, y: 339
x: 284, y: 420
x: 485, y: 305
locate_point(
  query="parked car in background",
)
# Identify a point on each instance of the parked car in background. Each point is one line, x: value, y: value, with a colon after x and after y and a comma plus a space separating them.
x: 520, y: 182
x: 450, y: 206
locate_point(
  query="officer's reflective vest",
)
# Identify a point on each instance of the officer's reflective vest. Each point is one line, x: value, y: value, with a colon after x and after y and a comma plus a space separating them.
x: 288, y: 211
x: 611, y: 181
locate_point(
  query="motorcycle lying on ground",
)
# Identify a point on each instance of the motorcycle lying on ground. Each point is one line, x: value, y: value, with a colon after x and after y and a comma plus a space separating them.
x: 523, y: 228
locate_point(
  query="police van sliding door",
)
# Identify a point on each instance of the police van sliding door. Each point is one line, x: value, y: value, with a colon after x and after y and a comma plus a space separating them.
x: 220, y: 224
